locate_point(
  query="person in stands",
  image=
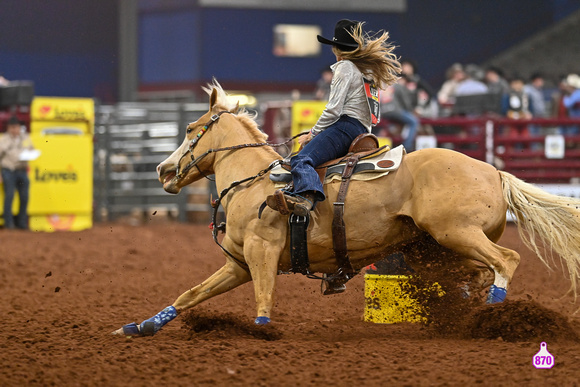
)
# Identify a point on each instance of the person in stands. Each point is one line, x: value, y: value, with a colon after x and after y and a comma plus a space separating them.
x: 455, y: 75
x: 322, y: 91
x: 496, y: 83
x: 571, y: 101
x: 472, y: 83
x: 363, y: 65
x: 15, y: 173
x: 397, y: 106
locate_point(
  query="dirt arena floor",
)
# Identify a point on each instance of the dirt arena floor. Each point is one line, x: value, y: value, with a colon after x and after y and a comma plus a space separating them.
x: 62, y: 295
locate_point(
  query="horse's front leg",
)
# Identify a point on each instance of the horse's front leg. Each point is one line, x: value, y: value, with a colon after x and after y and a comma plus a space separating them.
x: 262, y: 258
x: 228, y: 277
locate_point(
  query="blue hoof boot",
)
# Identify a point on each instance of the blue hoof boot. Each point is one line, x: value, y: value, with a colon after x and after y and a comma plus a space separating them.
x: 131, y: 330
x: 496, y: 295
x: 262, y: 320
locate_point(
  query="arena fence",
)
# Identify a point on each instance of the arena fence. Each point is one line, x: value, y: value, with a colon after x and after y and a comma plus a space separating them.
x: 131, y: 139
x: 542, y: 151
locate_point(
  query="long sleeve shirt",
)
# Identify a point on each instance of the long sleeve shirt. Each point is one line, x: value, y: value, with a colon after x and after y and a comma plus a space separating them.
x: 347, y: 97
x: 10, y: 149
x: 572, y: 103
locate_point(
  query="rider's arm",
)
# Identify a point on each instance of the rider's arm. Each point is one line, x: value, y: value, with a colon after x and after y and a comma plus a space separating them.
x: 343, y: 74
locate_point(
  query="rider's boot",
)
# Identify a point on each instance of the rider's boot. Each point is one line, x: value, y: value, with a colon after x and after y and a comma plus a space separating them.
x: 286, y: 203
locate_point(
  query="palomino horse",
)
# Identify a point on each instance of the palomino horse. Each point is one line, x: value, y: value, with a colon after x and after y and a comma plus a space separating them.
x: 439, y: 194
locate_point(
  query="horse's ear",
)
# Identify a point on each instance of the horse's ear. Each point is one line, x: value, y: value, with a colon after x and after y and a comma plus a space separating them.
x: 235, y: 110
x: 213, y: 98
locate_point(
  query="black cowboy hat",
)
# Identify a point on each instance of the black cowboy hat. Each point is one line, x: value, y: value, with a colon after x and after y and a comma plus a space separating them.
x: 342, y: 35
x: 13, y: 121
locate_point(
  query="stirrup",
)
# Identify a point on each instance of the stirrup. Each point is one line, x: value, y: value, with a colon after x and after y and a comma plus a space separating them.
x: 286, y: 203
x: 333, y: 285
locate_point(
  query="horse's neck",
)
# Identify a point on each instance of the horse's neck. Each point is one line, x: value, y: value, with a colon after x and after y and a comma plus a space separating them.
x: 236, y: 165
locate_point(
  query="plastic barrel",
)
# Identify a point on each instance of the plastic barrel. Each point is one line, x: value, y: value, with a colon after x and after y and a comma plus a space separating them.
x: 386, y: 302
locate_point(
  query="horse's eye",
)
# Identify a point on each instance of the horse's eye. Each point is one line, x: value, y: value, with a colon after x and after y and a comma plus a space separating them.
x: 189, y: 130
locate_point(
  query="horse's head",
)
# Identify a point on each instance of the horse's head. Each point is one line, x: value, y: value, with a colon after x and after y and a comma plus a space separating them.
x: 191, y: 161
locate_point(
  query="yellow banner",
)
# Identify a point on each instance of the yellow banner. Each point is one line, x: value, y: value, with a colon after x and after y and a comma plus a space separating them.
x: 305, y: 114
x: 61, y: 179
x: 61, y: 183
x: 63, y: 109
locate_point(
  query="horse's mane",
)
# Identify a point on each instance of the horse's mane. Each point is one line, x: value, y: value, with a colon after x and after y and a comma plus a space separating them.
x: 225, y: 102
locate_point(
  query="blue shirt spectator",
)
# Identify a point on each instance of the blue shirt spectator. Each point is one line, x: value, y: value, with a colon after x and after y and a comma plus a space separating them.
x: 472, y: 84
x: 572, y: 100
x: 536, y: 94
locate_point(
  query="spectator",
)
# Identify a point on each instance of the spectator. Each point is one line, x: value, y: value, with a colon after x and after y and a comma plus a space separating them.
x: 15, y: 173
x: 571, y: 101
x: 496, y: 84
x: 455, y: 75
x: 516, y: 103
x: 397, y: 106
x: 472, y: 83
x: 557, y: 105
x: 417, y: 85
x: 323, y: 85
x: 534, y: 89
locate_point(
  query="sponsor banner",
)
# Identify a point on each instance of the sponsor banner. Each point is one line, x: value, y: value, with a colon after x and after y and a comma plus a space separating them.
x: 62, y: 110
x: 61, y: 222
x: 61, y: 179
x: 61, y: 183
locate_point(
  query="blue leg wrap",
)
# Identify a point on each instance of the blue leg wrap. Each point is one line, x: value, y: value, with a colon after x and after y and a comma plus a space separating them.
x: 496, y: 295
x: 262, y: 320
x: 151, y: 326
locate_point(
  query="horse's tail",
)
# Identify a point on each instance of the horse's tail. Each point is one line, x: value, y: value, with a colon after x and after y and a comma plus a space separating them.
x: 554, y: 219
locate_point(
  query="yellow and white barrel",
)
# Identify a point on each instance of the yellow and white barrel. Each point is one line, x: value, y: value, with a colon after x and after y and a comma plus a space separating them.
x: 387, y: 300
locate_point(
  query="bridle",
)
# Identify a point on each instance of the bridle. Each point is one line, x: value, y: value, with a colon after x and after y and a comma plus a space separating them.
x: 194, y: 161
x: 216, y: 203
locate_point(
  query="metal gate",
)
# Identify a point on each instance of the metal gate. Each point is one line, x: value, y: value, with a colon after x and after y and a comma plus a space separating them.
x: 131, y: 139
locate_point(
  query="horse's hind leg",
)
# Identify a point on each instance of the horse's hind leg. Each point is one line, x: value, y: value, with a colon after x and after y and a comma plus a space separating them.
x: 228, y: 277
x: 473, y: 243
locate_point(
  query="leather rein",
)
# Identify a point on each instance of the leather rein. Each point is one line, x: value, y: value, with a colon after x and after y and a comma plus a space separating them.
x: 195, y: 161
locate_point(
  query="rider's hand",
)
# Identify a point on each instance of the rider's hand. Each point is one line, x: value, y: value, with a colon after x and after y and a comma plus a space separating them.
x: 303, y: 140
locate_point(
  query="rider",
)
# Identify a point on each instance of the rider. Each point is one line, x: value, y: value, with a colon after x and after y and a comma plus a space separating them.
x: 363, y: 61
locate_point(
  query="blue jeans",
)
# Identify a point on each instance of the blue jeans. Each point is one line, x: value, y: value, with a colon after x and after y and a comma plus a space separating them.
x: 327, y: 145
x: 408, y: 119
x: 15, y: 180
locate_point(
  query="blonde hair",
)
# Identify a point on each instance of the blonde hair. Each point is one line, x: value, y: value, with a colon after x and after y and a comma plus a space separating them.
x: 374, y: 56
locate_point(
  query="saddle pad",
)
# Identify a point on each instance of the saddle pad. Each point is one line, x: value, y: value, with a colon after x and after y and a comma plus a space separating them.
x: 366, y: 169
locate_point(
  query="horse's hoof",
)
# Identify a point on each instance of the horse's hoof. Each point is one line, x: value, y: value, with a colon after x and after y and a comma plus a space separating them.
x: 496, y: 295
x: 262, y: 320
x: 129, y: 330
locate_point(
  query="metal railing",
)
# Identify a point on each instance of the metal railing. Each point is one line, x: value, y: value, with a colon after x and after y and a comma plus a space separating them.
x: 131, y: 139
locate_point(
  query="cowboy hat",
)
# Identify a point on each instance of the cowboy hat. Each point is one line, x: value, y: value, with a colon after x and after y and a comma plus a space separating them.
x: 342, y: 36
x: 573, y: 80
